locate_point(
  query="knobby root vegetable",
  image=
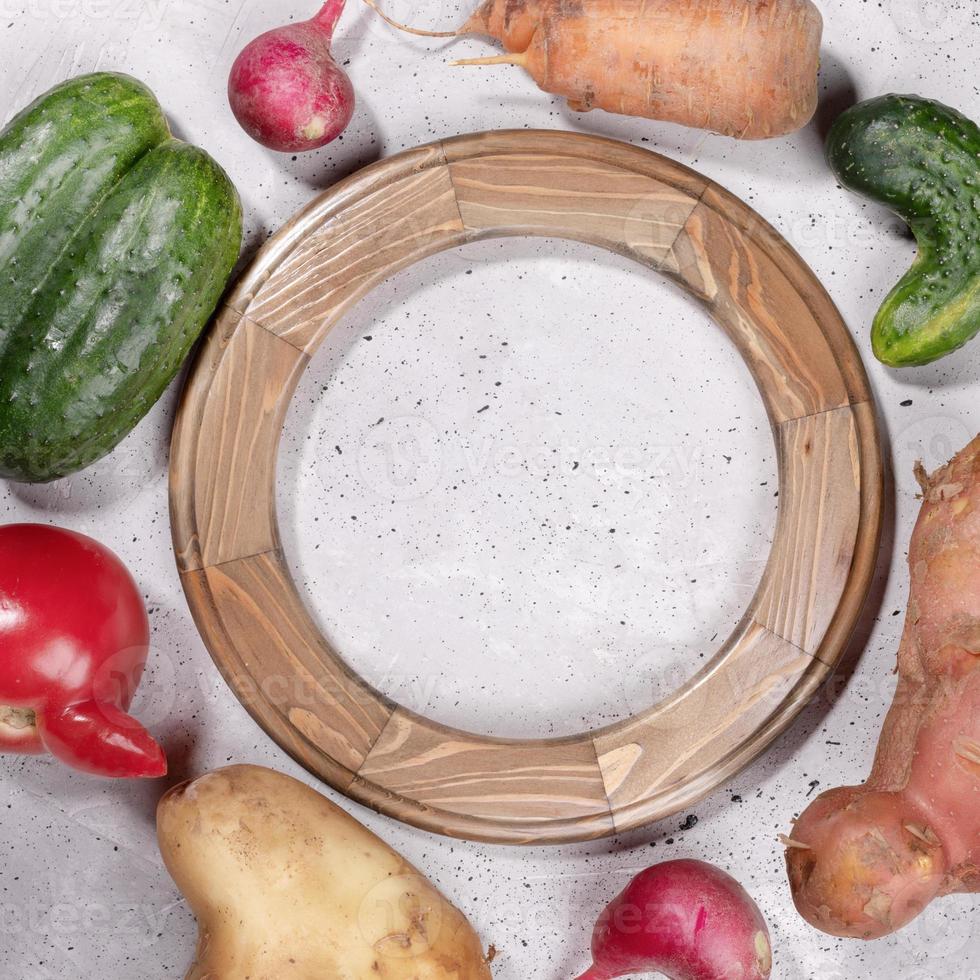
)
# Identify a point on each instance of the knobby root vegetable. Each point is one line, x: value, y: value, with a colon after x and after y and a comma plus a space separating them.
x: 865, y: 860
x: 685, y: 919
x: 287, y: 886
x: 286, y: 90
x: 744, y: 68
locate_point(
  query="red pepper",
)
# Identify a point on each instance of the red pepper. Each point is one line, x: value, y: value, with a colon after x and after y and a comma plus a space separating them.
x: 74, y: 638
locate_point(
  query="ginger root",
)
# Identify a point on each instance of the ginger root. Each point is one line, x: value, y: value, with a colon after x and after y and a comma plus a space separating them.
x: 868, y: 859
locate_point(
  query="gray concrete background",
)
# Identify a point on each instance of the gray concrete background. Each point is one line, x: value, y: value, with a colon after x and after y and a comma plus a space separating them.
x: 557, y: 560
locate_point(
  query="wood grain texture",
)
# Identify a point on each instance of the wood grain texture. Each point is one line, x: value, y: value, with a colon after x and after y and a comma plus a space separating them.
x: 541, y: 783
x: 245, y: 376
x: 667, y: 218
x: 819, y: 520
x: 751, y: 292
x: 345, y: 195
x: 592, y: 201
x: 660, y: 755
x: 268, y: 625
x: 353, y: 251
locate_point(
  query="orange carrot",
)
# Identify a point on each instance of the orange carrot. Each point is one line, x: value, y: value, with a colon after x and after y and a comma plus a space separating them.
x: 745, y: 68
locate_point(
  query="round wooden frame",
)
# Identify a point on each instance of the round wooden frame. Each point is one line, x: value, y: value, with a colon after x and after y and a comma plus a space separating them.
x: 251, y: 615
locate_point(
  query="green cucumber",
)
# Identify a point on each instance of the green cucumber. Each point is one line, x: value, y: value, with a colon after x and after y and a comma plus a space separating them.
x: 921, y: 159
x: 116, y: 244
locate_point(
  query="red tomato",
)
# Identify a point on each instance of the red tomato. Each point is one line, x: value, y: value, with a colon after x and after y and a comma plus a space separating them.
x: 74, y: 638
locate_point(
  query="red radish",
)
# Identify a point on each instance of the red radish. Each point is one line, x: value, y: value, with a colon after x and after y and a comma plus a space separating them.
x: 685, y: 919
x: 286, y: 90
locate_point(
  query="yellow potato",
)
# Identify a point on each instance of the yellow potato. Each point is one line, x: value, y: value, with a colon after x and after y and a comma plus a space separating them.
x: 287, y: 886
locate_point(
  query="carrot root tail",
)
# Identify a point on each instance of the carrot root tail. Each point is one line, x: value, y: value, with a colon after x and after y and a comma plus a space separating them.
x: 418, y: 32
x: 497, y: 59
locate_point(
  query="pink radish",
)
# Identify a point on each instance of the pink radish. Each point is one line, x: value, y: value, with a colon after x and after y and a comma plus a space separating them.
x: 286, y: 90
x: 685, y: 919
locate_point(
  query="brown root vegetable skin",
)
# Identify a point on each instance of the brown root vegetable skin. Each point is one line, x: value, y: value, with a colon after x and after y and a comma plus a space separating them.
x: 287, y: 886
x: 865, y: 860
x: 744, y: 68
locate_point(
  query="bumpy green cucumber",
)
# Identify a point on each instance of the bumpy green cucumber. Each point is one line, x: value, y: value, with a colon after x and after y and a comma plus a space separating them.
x: 922, y: 160
x: 116, y: 243
x: 58, y: 160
